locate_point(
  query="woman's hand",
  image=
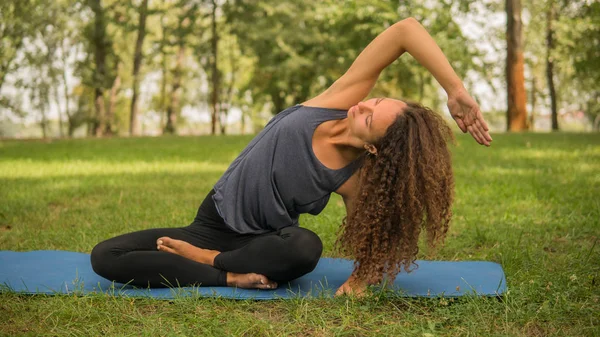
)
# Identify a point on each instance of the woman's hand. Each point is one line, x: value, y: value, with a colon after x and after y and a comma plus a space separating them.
x: 353, y: 287
x: 467, y: 115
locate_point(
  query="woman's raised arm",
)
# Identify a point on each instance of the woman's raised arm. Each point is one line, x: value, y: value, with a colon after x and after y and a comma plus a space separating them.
x: 409, y: 36
x: 404, y: 36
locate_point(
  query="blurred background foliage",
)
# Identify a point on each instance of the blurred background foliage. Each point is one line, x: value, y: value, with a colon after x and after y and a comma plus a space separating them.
x: 148, y: 67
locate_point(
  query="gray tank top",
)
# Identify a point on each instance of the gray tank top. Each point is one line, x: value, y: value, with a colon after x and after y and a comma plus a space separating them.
x: 277, y: 176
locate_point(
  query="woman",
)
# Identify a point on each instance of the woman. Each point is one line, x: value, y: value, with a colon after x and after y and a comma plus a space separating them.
x: 388, y: 159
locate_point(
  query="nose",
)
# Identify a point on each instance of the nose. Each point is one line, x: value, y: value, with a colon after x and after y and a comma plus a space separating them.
x: 361, y: 107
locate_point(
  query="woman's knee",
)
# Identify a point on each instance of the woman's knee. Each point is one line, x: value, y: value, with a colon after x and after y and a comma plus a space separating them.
x: 304, y: 246
x: 102, y: 258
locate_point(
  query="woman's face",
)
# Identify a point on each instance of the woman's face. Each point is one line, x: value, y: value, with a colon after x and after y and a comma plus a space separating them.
x: 370, y: 119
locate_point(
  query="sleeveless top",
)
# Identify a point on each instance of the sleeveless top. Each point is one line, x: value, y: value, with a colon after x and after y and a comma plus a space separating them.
x: 277, y: 176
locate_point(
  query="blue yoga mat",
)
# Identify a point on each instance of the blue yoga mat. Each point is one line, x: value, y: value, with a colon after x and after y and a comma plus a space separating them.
x: 63, y: 272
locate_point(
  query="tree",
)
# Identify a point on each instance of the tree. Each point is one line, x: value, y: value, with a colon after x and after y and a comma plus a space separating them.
x: 42, y: 63
x: 100, y: 45
x: 185, y: 26
x: 536, y: 56
x: 214, y: 69
x: 15, y: 26
x: 174, y: 107
x: 19, y: 23
x: 550, y: 17
x: 516, y: 116
x: 581, y: 26
x: 137, y: 63
x: 178, y: 22
x: 229, y: 83
x: 67, y: 20
x: 561, y: 46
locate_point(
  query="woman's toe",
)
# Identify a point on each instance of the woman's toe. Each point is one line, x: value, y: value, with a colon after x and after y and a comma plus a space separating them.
x: 164, y: 241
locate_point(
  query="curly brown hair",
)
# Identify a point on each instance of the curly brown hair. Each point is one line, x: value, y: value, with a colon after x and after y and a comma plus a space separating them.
x: 408, y: 185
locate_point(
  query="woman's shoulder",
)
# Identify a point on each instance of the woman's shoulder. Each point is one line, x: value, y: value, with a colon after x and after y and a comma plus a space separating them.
x: 322, y: 102
x: 323, y: 108
x: 310, y: 113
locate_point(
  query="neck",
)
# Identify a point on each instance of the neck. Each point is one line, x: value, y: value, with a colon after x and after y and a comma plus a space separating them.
x: 340, y: 135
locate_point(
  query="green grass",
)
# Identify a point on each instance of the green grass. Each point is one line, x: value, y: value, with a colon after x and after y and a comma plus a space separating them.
x: 530, y: 202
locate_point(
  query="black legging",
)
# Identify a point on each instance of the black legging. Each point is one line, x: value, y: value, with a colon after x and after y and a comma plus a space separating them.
x: 133, y: 258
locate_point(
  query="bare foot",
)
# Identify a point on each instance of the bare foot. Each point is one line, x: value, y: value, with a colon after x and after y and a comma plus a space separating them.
x: 179, y: 247
x: 250, y: 281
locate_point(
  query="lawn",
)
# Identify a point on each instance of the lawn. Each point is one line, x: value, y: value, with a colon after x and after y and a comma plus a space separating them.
x: 530, y: 202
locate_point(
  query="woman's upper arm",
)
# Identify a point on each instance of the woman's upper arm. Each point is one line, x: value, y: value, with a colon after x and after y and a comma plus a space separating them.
x: 359, y: 80
x: 349, y: 190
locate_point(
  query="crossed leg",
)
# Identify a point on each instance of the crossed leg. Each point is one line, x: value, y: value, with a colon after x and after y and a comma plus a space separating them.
x: 245, y: 261
x: 207, y: 257
x: 133, y: 258
x: 279, y: 256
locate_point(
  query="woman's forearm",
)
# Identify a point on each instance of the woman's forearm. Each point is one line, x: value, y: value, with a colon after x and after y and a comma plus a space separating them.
x: 415, y: 40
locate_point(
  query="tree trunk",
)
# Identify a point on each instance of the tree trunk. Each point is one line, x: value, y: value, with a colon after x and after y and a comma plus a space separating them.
x: 173, y: 109
x: 67, y: 108
x: 215, y: 69
x: 516, y: 116
x: 60, y: 112
x: 66, y: 91
x: 163, y: 83
x: 163, y: 94
x: 278, y: 102
x: 100, y: 59
x: 137, y: 62
x: 226, y: 102
x: 114, y: 92
x: 98, y: 122
x: 222, y: 117
x: 550, y: 64
x: 44, y: 123
x: 533, y: 102
x: 91, y: 123
x: 41, y: 99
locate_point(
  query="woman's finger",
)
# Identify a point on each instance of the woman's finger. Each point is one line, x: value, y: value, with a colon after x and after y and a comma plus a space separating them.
x: 461, y: 125
x: 486, y: 136
x: 484, y: 132
x: 482, y: 121
x: 481, y: 135
x: 475, y: 134
x: 470, y: 128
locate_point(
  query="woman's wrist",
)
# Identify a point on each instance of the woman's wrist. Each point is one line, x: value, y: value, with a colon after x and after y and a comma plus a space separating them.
x: 454, y: 89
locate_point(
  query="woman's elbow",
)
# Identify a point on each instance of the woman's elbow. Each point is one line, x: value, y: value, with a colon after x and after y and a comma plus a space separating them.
x: 409, y: 21
x: 406, y: 26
